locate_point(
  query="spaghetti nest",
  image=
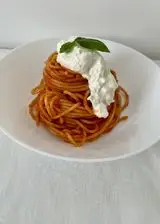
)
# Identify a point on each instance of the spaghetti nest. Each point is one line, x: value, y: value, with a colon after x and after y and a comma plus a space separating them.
x: 61, y: 105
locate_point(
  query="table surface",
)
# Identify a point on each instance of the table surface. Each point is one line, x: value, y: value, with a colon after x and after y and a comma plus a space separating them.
x: 35, y: 189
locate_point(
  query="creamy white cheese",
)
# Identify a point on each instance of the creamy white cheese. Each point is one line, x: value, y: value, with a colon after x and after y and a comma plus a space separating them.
x: 92, y: 66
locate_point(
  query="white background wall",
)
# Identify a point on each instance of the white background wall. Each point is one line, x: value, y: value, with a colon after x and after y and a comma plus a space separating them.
x: 133, y: 22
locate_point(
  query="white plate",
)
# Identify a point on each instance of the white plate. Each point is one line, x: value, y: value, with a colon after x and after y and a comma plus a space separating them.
x: 21, y: 70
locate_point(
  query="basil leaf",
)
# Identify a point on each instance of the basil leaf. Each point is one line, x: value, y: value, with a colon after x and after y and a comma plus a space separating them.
x: 67, y: 47
x: 92, y: 44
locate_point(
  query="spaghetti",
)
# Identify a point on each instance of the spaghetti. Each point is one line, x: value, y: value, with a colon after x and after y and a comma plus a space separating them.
x: 61, y: 105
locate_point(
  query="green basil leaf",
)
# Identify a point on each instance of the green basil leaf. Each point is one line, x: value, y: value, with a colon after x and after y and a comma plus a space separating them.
x: 92, y: 44
x: 67, y: 47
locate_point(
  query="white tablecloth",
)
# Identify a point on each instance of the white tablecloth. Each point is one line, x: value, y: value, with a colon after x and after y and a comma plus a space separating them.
x: 35, y: 189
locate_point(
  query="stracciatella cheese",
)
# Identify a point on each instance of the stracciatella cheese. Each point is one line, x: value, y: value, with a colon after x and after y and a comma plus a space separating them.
x: 92, y: 66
